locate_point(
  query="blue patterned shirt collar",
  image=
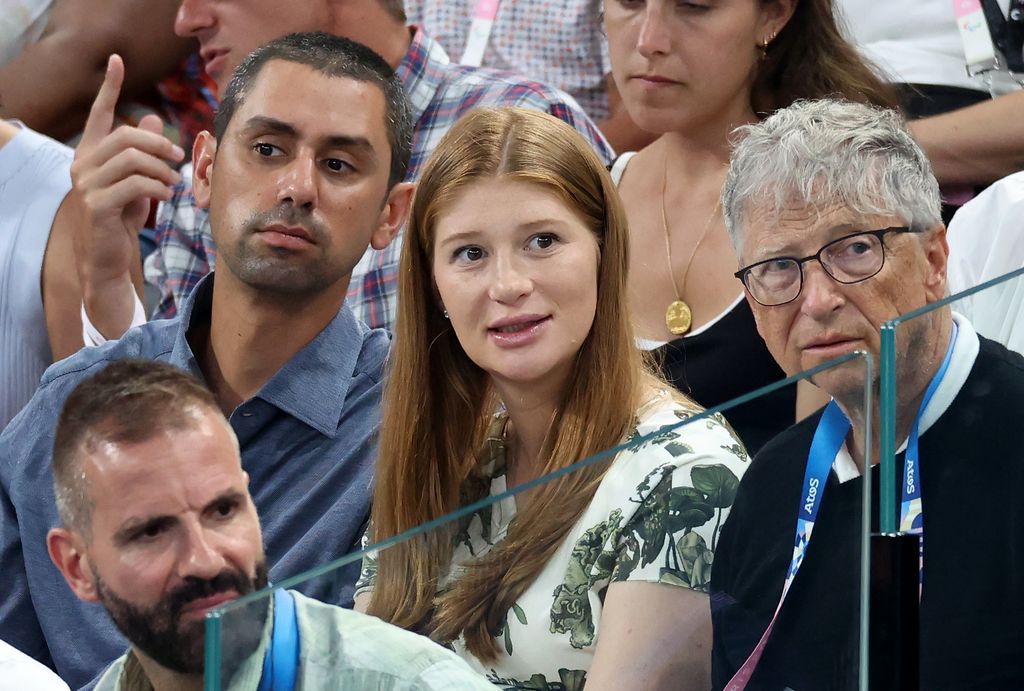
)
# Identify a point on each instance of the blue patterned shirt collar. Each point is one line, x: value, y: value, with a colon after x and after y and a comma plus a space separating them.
x: 312, y: 386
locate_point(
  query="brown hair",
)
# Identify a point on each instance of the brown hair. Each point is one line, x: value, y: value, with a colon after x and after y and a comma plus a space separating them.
x: 438, y: 403
x: 127, y: 402
x: 810, y: 58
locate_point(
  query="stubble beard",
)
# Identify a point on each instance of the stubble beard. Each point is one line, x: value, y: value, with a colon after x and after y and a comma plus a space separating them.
x: 278, y: 270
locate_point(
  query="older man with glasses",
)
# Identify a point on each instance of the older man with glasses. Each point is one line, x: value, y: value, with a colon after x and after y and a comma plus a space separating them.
x: 834, y: 213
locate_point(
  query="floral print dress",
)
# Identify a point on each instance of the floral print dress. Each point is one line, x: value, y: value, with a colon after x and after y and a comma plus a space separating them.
x: 656, y: 516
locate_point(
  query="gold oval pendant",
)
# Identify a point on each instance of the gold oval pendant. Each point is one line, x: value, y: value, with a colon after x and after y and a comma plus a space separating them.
x: 678, y: 318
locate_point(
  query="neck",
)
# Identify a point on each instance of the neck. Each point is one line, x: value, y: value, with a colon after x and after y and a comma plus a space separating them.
x: 164, y: 679
x: 251, y: 335
x: 390, y: 40
x: 917, y: 373
x: 530, y: 413
x: 705, y: 145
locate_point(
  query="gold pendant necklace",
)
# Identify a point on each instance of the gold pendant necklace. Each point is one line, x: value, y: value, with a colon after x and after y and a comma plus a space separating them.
x: 678, y: 316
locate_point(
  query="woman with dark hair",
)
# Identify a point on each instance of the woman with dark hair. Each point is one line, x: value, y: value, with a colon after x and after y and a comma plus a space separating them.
x: 692, y: 72
x: 512, y: 299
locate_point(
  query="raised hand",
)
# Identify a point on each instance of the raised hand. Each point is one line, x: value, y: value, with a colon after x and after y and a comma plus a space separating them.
x: 115, y: 174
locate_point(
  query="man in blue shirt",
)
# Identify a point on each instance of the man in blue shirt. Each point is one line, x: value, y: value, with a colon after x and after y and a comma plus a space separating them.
x: 312, y: 141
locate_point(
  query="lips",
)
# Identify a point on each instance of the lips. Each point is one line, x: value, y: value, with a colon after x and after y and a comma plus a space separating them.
x: 655, y: 80
x: 830, y: 344
x: 213, y: 60
x: 200, y: 606
x: 518, y: 330
x: 286, y: 237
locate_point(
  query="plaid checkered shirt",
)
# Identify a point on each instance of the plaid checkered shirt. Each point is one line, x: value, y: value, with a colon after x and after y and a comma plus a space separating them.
x: 440, y: 93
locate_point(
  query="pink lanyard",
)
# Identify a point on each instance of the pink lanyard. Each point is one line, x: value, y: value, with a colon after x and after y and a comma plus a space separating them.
x: 479, y: 32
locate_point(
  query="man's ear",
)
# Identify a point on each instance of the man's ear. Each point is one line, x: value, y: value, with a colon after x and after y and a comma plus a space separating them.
x: 393, y: 216
x: 204, y: 152
x: 67, y: 551
x: 936, y: 252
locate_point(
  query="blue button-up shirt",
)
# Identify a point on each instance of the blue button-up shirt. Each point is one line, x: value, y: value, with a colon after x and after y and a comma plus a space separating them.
x: 308, y: 441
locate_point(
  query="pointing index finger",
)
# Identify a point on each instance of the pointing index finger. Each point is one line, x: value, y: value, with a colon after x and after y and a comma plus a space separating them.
x: 101, y: 115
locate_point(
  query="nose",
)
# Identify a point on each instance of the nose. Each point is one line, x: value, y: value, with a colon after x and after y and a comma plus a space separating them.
x: 193, y: 17
x: 201, y: 558
x: 510, y: 281
x: 298, y: 182
x: 653, y: 38
x: 821, y: 295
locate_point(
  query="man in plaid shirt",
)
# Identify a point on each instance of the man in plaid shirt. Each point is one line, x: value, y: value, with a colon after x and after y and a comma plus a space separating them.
x: 440, y: 92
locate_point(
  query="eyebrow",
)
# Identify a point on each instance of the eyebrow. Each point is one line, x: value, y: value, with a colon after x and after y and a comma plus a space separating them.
x: 789, y: 249
x: 137, y: 523
x: 262, y: 123
x: 528, y: 226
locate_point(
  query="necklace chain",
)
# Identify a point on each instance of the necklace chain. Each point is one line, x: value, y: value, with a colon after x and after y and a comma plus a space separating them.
x: 678, y: 316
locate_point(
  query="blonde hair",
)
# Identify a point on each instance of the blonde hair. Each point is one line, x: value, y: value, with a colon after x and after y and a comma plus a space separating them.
x: 438, y: 403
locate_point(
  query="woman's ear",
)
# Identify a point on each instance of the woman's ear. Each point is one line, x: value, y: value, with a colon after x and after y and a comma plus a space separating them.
x: 774, y: 17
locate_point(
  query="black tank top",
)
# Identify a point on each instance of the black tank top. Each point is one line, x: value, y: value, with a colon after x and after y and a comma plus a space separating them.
x: 724, y: 361
x: 727, y: 360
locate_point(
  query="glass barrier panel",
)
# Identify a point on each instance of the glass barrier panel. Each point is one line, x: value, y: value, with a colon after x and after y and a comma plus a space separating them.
x: 952, y: 411
x: 631, y: 543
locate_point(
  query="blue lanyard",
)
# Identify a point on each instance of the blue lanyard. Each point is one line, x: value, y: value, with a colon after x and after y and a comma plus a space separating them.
x: 911, y: 507
x: 827, y: 441
x: 281, y: 662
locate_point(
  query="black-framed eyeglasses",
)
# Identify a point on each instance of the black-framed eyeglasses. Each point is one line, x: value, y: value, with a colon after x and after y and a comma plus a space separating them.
x: 849, y: 259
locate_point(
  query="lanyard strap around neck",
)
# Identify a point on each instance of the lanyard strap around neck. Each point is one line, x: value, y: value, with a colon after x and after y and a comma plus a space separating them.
x: 479, y: 32
x: 281, y: 661
x: 911, y: 507
x: 828, y: 440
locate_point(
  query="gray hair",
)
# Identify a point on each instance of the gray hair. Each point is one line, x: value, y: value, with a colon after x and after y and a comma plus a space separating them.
x: 817, y: 152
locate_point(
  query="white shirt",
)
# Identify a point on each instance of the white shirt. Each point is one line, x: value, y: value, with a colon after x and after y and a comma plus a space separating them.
x: 915, y: 42
x: 35, y: 176
x: 19, y: 671
x: 986, y: 240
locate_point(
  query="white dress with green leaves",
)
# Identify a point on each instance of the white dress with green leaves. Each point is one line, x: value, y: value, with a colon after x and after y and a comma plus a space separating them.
x: 655, y: 517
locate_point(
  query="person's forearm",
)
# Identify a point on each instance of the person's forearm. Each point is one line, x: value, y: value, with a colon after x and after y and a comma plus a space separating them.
x: 51, y: 83
x: 62, y: 296
x: 975, y: 145
x: 110, y: 305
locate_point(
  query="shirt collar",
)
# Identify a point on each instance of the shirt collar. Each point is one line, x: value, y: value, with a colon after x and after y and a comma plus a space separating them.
x: 422, y: 71
x: 965, y: 352
x: 195, y: 309
x: 312, y: 386
x: 133, y: 676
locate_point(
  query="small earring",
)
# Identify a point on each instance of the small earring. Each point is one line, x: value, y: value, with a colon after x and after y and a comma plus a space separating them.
x: 445, y: 313
x: 763, y: 45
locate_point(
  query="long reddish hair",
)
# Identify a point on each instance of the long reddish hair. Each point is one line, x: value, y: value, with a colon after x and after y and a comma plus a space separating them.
x: 438, y: 403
